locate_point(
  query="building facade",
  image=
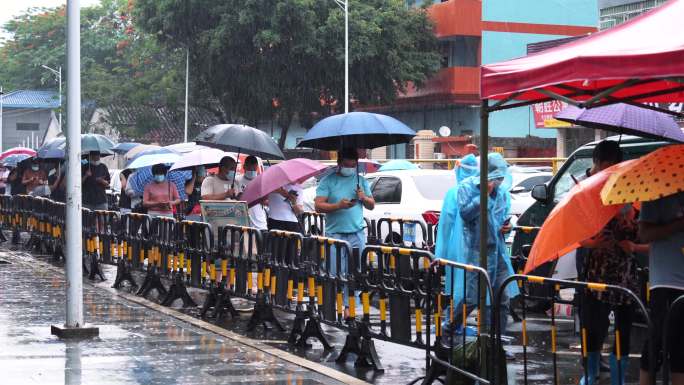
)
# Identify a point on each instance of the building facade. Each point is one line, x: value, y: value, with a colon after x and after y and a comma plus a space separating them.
x: 476, y: 32
x: 27, y: 116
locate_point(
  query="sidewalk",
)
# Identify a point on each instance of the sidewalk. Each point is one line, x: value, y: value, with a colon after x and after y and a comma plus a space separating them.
x: 137, y: 345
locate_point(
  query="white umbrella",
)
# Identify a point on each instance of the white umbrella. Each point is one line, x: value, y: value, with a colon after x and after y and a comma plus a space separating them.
x: 152, y: 159
x: 205, y: 157
x: 186, y: 147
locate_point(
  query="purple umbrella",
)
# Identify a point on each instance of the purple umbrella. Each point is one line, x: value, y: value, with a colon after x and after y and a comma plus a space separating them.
x: 625, y: 119
x: 279, y: 175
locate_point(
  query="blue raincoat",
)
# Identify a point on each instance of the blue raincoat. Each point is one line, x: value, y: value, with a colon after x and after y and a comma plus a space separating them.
x: 448, y: 236
x: 468, y: 227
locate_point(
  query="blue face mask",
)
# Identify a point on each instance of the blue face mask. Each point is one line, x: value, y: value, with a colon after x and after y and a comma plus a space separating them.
x: 84, y: 161
x: 250, y: 174
x: 347, y: 171
x: 159, y: 178
x: 230, y: 175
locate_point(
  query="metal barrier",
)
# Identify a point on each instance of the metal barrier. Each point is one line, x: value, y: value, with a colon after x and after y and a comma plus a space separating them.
x: 158, y: 249
x: 400, y: 231
x: 439, y: 358
x: 313, y: 223
x: 556, y: 285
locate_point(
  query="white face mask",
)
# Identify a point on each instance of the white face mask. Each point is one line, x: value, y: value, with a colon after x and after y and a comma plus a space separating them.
x: 35, y: 167
x: 347, y: 171
x: 250, y: 174
x: 95, y: 162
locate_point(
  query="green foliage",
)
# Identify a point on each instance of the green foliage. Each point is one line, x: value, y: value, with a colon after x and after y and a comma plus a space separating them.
x: 120, y: 65
x: 283, y: 58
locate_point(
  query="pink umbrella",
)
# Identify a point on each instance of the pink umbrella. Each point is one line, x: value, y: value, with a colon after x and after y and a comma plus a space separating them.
x: 279, y: 175
x: 17, y: 150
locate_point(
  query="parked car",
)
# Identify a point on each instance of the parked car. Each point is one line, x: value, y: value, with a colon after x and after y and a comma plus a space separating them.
x: 547, y: 195
x: 524, y: 179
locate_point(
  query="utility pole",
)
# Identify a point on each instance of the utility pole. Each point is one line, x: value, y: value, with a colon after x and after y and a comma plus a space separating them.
x: 75, y: 326
x: 187, y: 83
x: 2, y: 97
x: 344, y: 4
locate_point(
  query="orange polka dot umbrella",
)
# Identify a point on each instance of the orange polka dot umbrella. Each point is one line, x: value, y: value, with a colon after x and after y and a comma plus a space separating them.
x: 578, y: 217
x: 653, y: 176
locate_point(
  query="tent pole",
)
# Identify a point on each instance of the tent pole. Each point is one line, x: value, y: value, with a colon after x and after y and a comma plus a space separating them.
x: 484, y: 151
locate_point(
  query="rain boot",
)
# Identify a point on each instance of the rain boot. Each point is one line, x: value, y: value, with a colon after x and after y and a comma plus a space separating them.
x: 618, y: 370
x: 593, y: 363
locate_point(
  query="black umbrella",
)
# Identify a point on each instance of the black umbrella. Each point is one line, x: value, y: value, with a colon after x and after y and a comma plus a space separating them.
x: 241, y: 139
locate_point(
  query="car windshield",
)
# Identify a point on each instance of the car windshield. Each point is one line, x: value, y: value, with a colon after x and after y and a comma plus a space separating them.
x: 571, y: 176
x: 526, y: 185
x: 434, y: 187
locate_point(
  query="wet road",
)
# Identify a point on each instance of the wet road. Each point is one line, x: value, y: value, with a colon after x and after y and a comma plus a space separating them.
x: 402, y: 364
x: 136, y: 345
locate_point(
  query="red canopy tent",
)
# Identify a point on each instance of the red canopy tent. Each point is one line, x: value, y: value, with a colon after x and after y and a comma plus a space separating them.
x: 641, y: 60
x: 636, y: 62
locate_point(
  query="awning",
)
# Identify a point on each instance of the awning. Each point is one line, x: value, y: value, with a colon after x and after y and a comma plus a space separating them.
x: 641, y: 60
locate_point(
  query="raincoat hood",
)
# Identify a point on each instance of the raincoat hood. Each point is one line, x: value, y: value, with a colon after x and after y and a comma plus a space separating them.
x: 468, y: 167
x: 498, y: 168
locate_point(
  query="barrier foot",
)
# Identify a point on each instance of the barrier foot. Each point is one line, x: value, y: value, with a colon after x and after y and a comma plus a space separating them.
x: 177, y: 290
x: 313, y: 329
x: 224, y: 305
x: 433, y: 374
x: 2, y: 237
x: 58, y: 254
x: 123, y: 274
x: 263, y: 314
x: 360, y: 343
x: 86, y: 266
x: 209, y: 301
x: 16, y: 237
x: 95, y: 269
x: 152, y: 281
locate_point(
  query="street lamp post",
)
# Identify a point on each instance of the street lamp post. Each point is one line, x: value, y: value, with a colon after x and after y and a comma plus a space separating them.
x: 58, y: 73
x: 74, y: 326
x: 344, y: 4
x: 187, y: 83
x: 2, y: 96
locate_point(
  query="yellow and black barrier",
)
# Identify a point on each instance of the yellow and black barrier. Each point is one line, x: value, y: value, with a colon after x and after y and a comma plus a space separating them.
x: 555, y: 286
x: 447, y: 356
x: 131, y: 240
x: 673, y: 319
x: 403, y: 232
x: 313, y: 223
x: 160, y: 243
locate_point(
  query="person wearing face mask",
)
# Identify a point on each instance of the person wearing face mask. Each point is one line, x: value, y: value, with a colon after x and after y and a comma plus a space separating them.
x: 34, y: 177
x: 220, y: 186
x: 342, y: 196
x: 257, y: 213
x: 160, y: 196
x: 498, y: 260
x: 95, y: 181
x: 193, y: 189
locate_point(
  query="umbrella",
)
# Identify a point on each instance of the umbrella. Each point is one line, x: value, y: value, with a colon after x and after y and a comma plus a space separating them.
x: 625, y: 119
x: 186, y: 147
x: 155, y: 150
x: 96, y: 143
x: 14, y: 159
x: 357, y: 130
x: 241, y: 139
x: 138, y: 149
x: 53, y: 149
x: 560, y: 233
x: 209, y: 157
x: 123, y: 148
x: 152, y: 159
x: 279, y: 175
x: 143, y: 176
x: 17, y: 150
x: 653, y: 176
x: 398, y: 164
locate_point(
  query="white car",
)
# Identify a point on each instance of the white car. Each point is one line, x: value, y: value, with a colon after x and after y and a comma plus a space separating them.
x: 524, y: 179
x: 408, y: 194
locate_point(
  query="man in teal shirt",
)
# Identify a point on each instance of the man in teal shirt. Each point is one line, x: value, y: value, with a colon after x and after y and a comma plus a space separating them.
x: 342, y: 196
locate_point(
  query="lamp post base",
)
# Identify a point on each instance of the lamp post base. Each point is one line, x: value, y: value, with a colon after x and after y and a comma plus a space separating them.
x: 64, y: 332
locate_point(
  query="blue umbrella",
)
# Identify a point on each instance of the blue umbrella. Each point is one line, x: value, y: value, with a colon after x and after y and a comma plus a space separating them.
x: 625, y: 119
x: 143, y: 176
x: 398, y: 164
x: 357, y: 130
x: 13, y: 160
x: 123, y: 148
x: 52, y: 149
x: 152, y: 159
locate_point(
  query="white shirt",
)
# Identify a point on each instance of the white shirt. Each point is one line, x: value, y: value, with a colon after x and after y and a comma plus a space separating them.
x: 257, y: 214
x: 279, y: 207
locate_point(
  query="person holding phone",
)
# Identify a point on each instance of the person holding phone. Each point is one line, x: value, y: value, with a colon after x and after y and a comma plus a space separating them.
x: 95, y: 179
x: 160, y: 196
x: 342, y: 196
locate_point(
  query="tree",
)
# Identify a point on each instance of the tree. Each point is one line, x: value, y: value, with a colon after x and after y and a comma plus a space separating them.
x: 120, y: 64
x: 285, y: 58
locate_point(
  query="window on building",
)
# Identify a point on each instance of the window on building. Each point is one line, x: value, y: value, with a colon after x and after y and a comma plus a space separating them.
x: 460, y: 51
x: 28, y: 127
